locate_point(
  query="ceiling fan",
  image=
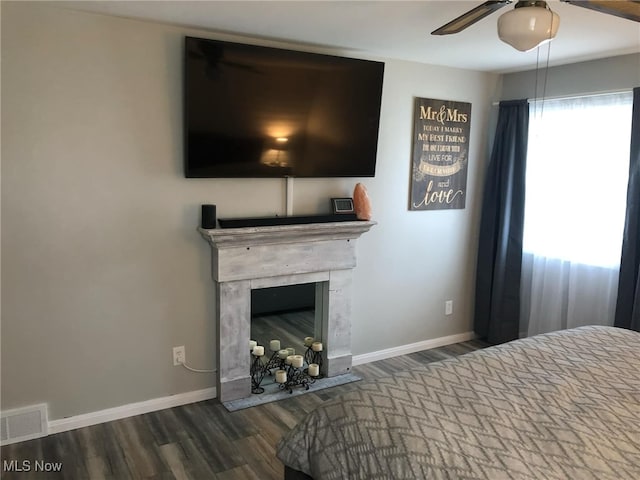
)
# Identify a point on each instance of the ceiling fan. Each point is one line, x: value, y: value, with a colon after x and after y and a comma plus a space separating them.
x: 532, y: 23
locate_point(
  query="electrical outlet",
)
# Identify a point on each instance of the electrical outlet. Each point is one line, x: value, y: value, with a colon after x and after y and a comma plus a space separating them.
x: 179, y: 356
x: 448, y: 307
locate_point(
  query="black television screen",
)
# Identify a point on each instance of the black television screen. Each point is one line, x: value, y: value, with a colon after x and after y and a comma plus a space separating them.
x: 253, y: 111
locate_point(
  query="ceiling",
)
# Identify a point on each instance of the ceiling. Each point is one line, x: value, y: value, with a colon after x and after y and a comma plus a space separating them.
x: 391, y: 29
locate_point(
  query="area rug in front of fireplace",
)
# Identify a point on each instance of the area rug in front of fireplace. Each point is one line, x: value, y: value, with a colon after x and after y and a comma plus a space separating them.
x: 272, y: 392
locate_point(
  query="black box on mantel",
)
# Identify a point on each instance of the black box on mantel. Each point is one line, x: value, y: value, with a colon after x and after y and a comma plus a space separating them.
x: 208, y: 216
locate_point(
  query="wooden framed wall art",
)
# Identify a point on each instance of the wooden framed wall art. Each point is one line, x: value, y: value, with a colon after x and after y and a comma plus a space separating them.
x: 440, y: 154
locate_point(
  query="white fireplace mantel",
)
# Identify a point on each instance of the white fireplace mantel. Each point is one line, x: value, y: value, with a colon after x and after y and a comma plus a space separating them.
x: 260, y: 257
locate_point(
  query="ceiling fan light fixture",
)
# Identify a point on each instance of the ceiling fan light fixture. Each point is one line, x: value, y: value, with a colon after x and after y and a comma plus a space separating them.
x: 528, y: 25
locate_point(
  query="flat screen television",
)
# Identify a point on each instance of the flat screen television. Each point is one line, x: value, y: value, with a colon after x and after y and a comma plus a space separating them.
x: 253, y: 111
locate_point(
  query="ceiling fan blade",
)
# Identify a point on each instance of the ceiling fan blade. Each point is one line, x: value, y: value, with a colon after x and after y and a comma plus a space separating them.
x: 472, y: 16
x: 629, y: 9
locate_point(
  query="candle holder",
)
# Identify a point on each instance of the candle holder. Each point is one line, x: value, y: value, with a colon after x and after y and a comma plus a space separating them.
x: 312, y: 356
x: 259, y: 369
x: 274, y: 362
x: 308, y: 354
x: 296, y: 376
x: 257, y: 372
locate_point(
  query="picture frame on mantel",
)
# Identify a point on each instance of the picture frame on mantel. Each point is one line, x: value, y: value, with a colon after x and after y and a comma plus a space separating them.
x: 440, y: 154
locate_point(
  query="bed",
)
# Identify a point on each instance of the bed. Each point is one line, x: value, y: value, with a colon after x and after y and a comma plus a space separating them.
x: 562, y: 405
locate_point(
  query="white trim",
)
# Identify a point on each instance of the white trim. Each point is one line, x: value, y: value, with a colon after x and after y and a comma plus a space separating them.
x: 125, y: 411
x: 412, y: 348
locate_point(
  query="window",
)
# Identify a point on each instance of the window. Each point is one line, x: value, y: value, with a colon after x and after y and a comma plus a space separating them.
x: 577, y: 175
x: 575, y: 206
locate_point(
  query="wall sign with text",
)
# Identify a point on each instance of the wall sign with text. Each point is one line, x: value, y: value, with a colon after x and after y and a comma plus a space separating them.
x: 440, y: 154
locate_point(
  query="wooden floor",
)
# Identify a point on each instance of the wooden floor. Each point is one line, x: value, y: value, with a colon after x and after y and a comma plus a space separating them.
x: 289, y: 327
x: 197, y: 441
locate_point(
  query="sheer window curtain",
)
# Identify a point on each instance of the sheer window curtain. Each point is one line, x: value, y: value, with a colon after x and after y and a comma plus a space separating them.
x: 576, y: 186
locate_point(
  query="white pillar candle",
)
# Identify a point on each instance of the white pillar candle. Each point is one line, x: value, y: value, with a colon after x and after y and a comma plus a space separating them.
x: 281, y: 376
x: 314, y: 370
x: 292, y: 351
x: 258, y: 350
x: 274, y: 345
x: 288, y: 360
x: 297, y: 361
x: 252, y: 344
x: 308, y: 341
x: 316, y: 346
x: 283, y: 354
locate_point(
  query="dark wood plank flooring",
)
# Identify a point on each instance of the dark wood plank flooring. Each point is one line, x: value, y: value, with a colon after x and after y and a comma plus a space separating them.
x: 197, y: 441
x: 289, y: 327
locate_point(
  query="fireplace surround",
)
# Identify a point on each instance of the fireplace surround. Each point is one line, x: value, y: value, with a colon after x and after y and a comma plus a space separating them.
x: 249, y: 258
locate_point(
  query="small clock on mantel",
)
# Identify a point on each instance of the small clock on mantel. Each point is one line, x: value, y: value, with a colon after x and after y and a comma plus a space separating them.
x: 342, y: 205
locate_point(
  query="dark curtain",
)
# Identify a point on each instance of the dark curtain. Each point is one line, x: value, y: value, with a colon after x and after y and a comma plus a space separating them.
x: 628, y: 304
x: 497, y: 306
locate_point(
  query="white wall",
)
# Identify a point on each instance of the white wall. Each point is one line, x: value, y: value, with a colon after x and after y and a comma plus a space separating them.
x: 103, y: 270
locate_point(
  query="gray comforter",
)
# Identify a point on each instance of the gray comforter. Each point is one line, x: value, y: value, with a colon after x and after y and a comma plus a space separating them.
x: 564, y: 405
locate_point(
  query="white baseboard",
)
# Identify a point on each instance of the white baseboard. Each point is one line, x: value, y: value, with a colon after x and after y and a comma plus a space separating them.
x: 411, y: 348
x: 125, y: 411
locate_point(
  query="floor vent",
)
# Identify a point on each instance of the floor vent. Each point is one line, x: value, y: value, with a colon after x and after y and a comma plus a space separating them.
x: 23, y: 424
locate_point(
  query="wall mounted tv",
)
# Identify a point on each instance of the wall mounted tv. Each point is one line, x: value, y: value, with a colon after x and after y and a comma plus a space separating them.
x: 253, y: 111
